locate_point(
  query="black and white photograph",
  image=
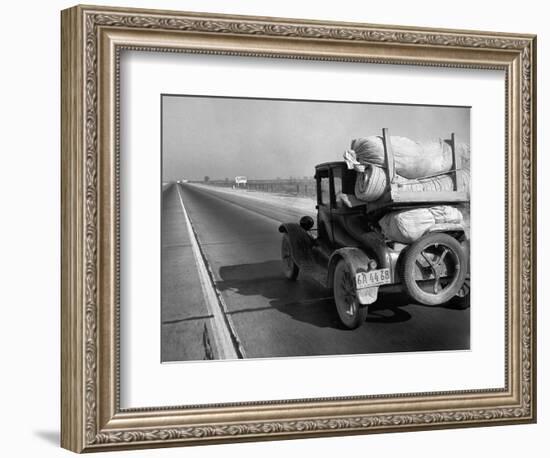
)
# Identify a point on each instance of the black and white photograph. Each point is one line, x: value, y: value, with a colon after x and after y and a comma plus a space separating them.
x: 275, y: 229
x: 299, y: 228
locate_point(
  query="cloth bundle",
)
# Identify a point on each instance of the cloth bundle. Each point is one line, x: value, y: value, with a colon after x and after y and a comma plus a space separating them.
x: 371, y: 184
x: 415, y: 165
x: 437, y: 183
x: 407, y: 226
x: 412, y: 159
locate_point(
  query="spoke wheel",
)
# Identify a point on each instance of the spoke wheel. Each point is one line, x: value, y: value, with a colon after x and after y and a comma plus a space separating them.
x: 352, y: 314
x: 290, y: 269
x: 433, y: 269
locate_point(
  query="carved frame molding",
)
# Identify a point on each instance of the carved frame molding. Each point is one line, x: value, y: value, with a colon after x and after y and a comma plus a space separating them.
x: 92, y: 39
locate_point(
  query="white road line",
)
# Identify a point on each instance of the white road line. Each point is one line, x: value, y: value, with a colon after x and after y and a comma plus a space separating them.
x: 222, y: 336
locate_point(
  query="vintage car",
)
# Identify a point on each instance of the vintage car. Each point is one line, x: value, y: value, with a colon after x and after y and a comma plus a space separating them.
x: 346, y: 251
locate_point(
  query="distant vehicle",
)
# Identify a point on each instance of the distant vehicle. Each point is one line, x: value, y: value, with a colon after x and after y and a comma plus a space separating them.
x: 348, y: 253
x: 240, y: 181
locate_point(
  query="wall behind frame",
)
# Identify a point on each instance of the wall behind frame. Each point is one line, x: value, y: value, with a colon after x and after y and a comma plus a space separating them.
x: 29, y: 190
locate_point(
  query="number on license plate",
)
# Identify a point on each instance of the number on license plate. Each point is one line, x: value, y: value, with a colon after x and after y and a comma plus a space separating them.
x: 372, y: 278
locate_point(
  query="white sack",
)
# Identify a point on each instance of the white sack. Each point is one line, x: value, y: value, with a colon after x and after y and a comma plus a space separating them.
x: 412, y: 159
x: 371, y: 184
x: 439, y: 183
x: 407, y: 226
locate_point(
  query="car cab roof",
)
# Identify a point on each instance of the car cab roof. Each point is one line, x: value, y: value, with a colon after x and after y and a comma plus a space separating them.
x: 330, y: 165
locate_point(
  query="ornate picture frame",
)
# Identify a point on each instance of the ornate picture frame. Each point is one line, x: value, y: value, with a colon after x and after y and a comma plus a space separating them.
x: 92, y: 40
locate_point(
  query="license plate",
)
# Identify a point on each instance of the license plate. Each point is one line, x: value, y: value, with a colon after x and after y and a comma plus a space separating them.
x: 372, y: 278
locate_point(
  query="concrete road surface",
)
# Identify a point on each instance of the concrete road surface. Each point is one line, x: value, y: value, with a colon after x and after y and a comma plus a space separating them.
x: 245, y: 299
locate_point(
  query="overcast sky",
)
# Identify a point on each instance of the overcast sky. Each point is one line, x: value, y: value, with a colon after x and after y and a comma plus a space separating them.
x: 261, y: 139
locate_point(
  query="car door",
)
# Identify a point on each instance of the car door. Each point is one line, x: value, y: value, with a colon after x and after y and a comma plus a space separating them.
x: 324, y: 220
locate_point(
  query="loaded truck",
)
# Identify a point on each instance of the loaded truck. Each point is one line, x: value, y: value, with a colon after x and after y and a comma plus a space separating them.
x: 347, y: 251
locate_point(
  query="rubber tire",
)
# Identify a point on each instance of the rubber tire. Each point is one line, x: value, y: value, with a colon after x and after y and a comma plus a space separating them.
x: 361, y: 311
x: 291, y: 271
x: 408, y: 268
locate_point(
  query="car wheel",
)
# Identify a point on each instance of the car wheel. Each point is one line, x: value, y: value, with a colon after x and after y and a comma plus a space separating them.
x: 352, y: 313
x: 434, y: 269
x: 290, y: 269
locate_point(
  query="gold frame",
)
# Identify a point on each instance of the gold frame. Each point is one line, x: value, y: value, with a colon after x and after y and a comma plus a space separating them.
x: 92, y: 38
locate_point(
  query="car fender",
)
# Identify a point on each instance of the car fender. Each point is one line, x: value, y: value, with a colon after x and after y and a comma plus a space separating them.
x: 300, y: 243
x: 457, y: 228
x: 357, y: 261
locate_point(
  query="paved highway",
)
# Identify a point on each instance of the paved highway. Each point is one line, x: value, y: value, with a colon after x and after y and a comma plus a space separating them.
x: 242, y: 306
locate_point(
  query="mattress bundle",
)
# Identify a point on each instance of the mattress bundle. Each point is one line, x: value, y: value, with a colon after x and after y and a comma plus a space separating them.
x: 418, y: 166
x: 407, y: 226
